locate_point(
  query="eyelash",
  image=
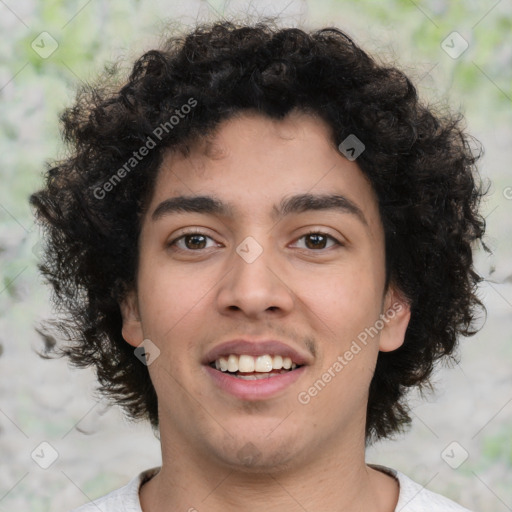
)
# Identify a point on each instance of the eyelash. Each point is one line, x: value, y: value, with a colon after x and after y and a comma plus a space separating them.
x: 322, y: 233
x: 183, y: 236
x: 313, y: 232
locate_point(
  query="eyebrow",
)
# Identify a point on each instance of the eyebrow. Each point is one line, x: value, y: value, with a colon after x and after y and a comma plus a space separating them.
x: 295, y: 204
x: 318, y: 202
x: 191, y: 204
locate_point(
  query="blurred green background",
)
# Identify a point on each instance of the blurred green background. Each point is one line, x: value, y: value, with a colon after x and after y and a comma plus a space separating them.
x: 51, y: 46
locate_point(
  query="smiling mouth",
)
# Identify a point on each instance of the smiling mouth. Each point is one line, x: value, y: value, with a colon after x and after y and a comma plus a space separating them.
x: 247, y: 367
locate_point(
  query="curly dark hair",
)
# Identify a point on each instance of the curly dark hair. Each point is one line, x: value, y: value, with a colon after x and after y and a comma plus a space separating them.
x: 421, y: 164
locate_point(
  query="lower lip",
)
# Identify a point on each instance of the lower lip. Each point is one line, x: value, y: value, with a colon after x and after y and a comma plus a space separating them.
x: 259, y: 389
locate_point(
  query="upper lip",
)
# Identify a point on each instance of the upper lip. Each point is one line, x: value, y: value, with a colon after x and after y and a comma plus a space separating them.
x: 256, y: 348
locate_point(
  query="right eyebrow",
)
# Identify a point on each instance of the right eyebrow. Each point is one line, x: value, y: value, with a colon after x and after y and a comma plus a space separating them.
x: 191, y: 204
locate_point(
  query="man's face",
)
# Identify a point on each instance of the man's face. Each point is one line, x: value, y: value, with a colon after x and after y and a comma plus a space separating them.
x: 263, y: 272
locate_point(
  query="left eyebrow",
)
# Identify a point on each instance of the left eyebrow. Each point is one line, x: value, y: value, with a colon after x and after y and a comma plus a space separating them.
x: 304, y: 202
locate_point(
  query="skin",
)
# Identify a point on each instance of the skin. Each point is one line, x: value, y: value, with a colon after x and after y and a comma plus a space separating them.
x: 316, y: 297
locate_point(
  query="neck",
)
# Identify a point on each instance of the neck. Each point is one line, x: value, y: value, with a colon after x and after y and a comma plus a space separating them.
x: 335, y: 480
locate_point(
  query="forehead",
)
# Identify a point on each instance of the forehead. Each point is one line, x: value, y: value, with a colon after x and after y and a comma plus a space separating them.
x: 253, y: 162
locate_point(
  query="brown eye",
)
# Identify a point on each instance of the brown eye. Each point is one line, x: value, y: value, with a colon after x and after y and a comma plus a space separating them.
x: 192, y: 242
x: 316, y: 241
x: 195, y: 241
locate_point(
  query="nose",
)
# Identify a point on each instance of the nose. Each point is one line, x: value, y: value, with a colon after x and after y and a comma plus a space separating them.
x: 256, y: 286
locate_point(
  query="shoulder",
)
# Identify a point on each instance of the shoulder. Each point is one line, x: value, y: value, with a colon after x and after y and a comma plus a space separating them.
x: 414, y: 497
x: 125, y: 498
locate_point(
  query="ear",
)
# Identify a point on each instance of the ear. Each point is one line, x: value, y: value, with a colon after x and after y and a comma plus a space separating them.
x: 132, y: 326
x: 396, y: 316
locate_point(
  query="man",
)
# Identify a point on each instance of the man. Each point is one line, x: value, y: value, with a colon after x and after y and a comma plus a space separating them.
x: 263, y: 240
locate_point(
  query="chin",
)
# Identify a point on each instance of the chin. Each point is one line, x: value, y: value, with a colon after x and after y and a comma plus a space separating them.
x: 258, y: 456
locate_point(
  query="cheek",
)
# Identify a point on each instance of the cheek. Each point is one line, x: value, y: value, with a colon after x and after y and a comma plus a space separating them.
x: 170, y: 300
x: 344, y: 307
x: 346, y: 300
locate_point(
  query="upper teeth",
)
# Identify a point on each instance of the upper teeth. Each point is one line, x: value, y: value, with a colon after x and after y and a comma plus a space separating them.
x: 246, y: 363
